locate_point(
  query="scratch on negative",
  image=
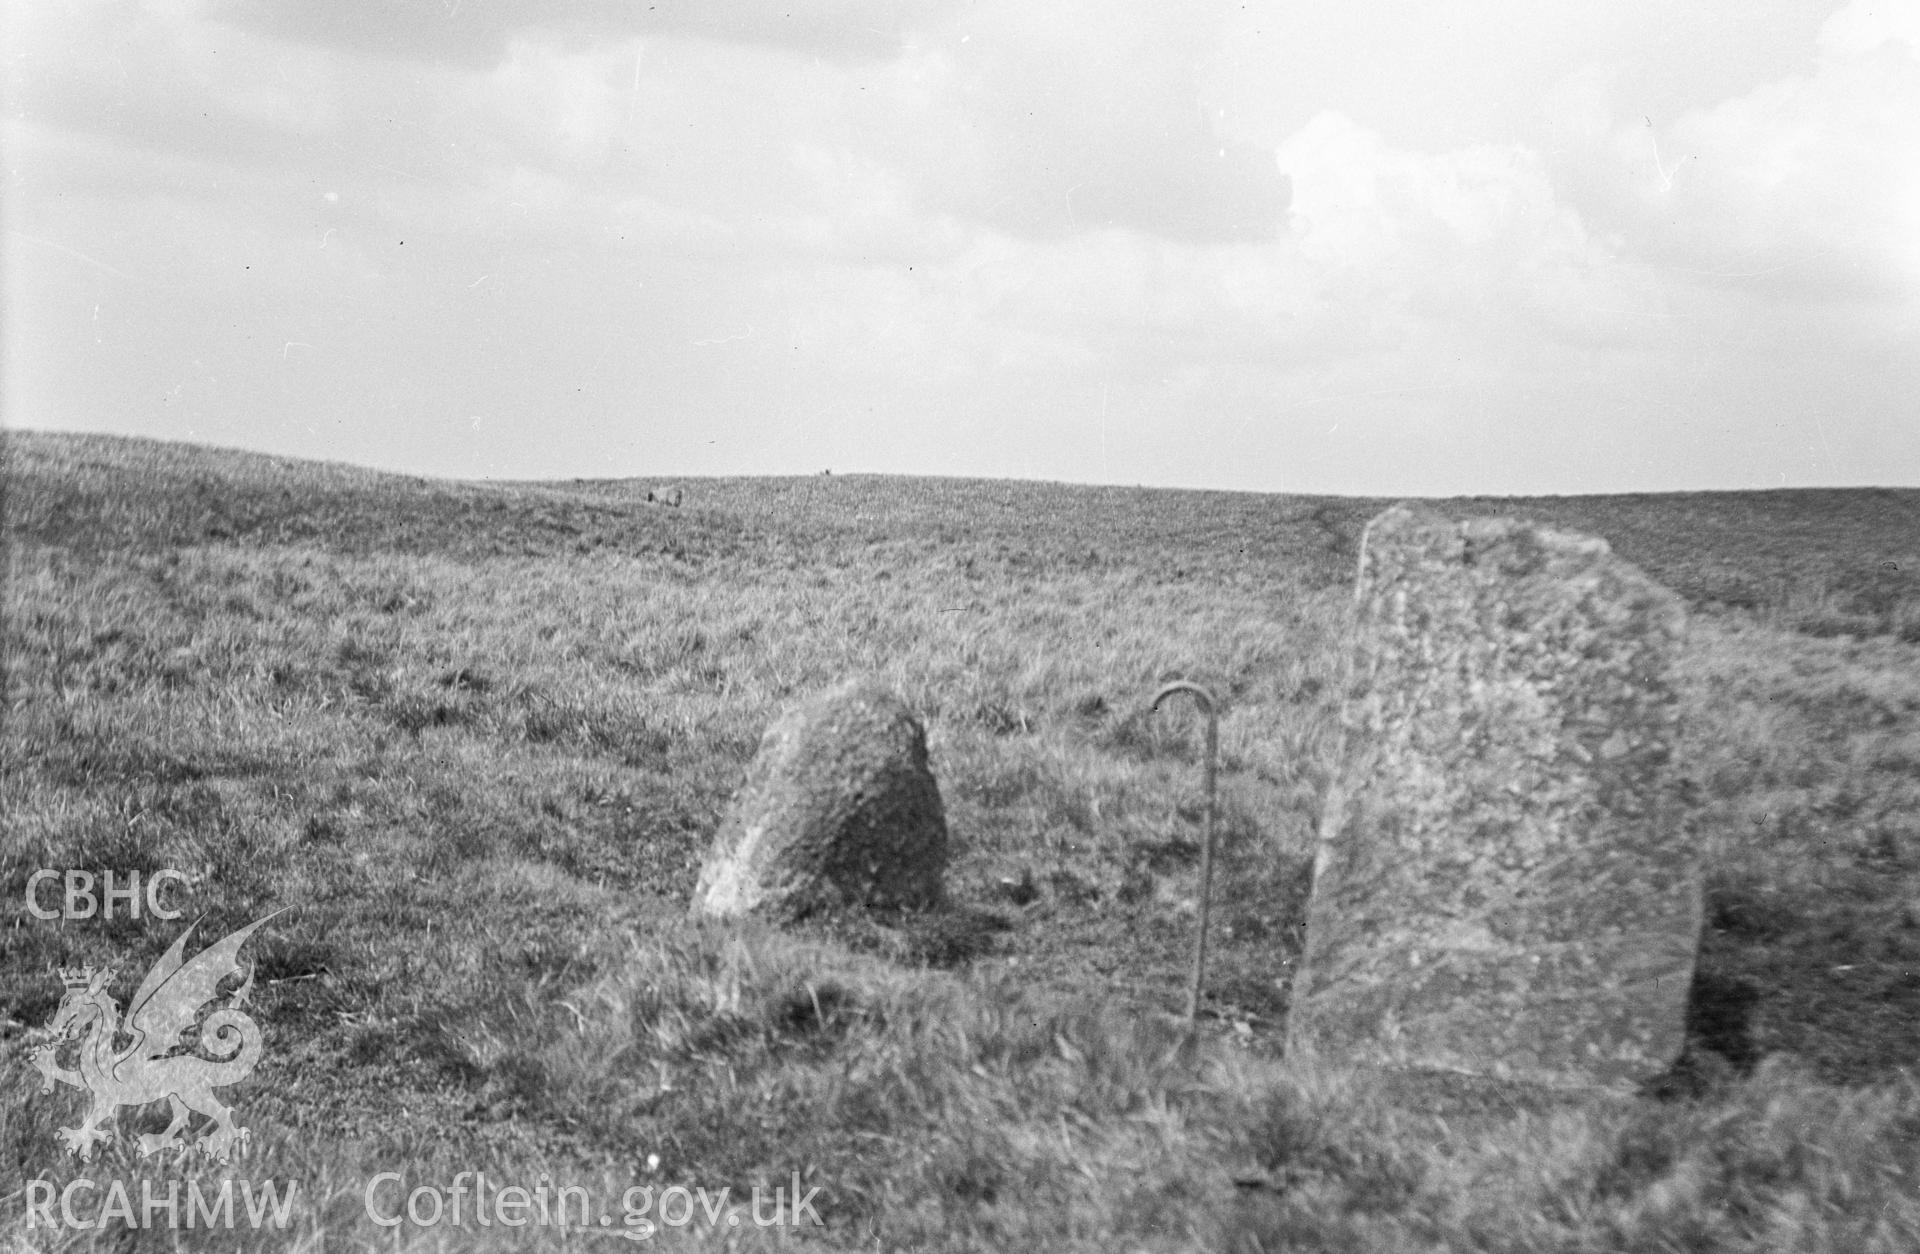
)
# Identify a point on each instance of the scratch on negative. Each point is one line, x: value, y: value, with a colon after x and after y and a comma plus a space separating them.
x: 725, y: 339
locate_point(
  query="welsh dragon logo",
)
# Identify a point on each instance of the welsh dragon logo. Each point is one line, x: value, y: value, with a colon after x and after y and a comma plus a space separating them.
x: 164, y: 1007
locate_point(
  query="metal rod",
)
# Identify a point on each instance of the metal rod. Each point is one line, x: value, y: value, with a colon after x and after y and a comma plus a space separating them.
x: 1208, y: 707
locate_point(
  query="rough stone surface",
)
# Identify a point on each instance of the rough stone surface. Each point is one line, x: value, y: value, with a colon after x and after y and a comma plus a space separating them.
x: 839, y: 808
x: 1504, y: 883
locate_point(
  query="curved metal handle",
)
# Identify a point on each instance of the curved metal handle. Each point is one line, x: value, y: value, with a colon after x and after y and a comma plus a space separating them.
x: 1200, y: 695
x: 1210, y: 708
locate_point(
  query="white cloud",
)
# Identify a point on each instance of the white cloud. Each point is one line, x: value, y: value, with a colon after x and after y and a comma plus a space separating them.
x: 1477, y: 236
x: 562, y: 105
x: 1867, y: 25
x: 1808, y: 184
x: 1442, y: 256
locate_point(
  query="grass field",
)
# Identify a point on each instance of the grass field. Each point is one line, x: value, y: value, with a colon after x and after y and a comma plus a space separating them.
x: 477, y: 737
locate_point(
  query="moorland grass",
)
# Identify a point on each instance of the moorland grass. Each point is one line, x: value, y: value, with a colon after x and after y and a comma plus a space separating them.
x: 477, y: 737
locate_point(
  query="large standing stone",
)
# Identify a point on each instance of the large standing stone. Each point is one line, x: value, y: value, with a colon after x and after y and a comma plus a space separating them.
x: 1504, y: 884
x: 839, y: 808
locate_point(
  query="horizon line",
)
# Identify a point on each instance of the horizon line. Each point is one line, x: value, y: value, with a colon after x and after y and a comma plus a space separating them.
x: 829, y: 473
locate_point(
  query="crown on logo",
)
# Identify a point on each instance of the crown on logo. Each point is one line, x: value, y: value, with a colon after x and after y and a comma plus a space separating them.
x: 82, y: 977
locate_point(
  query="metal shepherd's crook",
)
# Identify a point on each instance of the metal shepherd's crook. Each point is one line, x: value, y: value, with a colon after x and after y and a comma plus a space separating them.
x: 1204, y: 699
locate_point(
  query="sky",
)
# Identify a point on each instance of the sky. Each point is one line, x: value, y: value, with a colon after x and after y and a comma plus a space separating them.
x: 1386, y: 247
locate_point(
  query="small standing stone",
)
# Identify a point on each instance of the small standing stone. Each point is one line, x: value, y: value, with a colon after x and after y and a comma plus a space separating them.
x: 838, y: 808
x: 1504, y: 883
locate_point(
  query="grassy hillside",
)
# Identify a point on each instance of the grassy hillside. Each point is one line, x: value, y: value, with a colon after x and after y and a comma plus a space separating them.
x: 477, y: 737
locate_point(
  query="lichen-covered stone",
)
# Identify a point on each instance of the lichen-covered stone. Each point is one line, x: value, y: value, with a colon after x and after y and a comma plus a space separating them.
x: 1504, y: 883
x: 839, y: 808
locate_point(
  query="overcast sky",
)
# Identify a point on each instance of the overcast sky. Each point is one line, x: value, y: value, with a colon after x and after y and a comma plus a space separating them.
x: 1381, y: 246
